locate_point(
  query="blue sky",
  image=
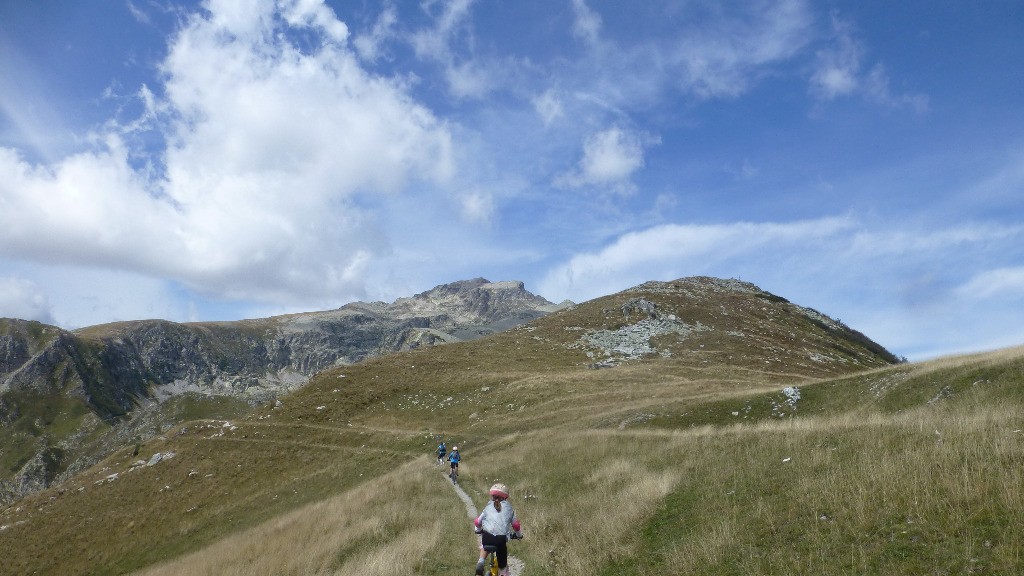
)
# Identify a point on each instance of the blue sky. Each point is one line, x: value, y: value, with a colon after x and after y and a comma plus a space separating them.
x: 227, y: 159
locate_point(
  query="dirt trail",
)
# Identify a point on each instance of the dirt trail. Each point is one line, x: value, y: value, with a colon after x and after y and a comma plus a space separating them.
x: 515, y: 565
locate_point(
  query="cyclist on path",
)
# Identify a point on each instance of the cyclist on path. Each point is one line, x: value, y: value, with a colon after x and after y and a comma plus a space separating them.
x: 454, y: 459
x: 441, y: 451
x: 496, y: 524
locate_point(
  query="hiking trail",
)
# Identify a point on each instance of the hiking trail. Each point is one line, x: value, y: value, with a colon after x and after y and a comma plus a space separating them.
x: 515, y: 565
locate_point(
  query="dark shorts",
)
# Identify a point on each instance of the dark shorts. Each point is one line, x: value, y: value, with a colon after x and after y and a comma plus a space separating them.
x: 499, y: 542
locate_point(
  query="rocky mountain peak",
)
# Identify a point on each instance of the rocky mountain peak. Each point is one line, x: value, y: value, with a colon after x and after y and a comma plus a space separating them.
x: 473, y: 301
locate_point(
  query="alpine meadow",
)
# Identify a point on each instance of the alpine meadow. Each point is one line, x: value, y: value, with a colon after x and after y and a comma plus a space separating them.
x: 700, y: 426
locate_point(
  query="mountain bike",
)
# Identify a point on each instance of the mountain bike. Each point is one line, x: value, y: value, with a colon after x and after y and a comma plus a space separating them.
x: 491, y: 560
x: 454, y: 475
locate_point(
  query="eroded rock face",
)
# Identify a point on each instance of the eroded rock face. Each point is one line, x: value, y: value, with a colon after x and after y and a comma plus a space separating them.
x: 255, y: 358
x: 115, y: 369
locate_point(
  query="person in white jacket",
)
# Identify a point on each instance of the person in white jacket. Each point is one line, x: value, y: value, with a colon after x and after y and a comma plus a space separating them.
x: 496, y: 524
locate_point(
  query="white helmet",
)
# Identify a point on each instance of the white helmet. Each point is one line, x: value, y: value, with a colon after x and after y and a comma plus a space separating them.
x: 499, y: 490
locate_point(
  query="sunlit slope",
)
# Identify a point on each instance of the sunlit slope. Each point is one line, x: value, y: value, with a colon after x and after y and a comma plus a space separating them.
x: 707, y: 339
x: 531, y: 406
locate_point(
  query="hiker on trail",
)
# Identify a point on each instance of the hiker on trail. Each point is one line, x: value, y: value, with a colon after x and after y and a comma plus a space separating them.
x: 441, y: 451
x: 496, y: 524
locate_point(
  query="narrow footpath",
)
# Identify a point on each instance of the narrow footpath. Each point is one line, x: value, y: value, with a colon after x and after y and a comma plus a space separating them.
x: 515, y: 565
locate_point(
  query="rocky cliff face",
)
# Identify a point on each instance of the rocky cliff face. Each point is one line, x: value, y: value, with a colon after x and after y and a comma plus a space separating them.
x: 59, y: 390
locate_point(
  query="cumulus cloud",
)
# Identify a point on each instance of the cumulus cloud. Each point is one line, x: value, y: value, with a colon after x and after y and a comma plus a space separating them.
x: 23, y: 299
x: 313, y: 14
x: 273, y: 153
x: 610, y: 157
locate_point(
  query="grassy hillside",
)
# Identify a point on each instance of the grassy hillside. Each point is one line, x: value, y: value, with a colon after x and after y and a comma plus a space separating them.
x: 754, y: 437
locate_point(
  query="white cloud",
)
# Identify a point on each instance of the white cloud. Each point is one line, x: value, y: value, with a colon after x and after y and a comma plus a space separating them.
x: 724, y: 54
x: 587, y: 23
x: 549, y: 106
x: 610, y: 157
x: 840, y: 73
x: 907, y: 241
x: 672, y: 251
x: 1000, y: 282
x: 314, y: 14
x: 371, y: 44
x: 434, y: 42
x: 30, y: 106
x: 449, y: 43
x: 710, y: 53
x: 90, y: 207
x: 20, y: 298
x: 838, y: 69
x: 1001, y: 189
x: 139, y: 15
x: 898, y: 287
x: 876, y: 89
x: 82, y: 296
x: 477, y: 207
x: 265, y: 190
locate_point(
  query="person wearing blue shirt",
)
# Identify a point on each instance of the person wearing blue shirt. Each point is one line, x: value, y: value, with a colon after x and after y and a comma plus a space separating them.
x: 454, y: 459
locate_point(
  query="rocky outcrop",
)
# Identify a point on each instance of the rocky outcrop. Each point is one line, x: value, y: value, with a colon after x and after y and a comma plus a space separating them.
x: 117, y: 364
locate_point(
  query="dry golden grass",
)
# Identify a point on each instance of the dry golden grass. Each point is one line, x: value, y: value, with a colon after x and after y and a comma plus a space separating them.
x: 383, y: 527
x: 855, y: 493
x: 576, y: 494
x: 959, y: 361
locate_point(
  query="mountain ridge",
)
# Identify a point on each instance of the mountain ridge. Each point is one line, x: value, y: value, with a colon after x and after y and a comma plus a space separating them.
x: 123, y: 372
